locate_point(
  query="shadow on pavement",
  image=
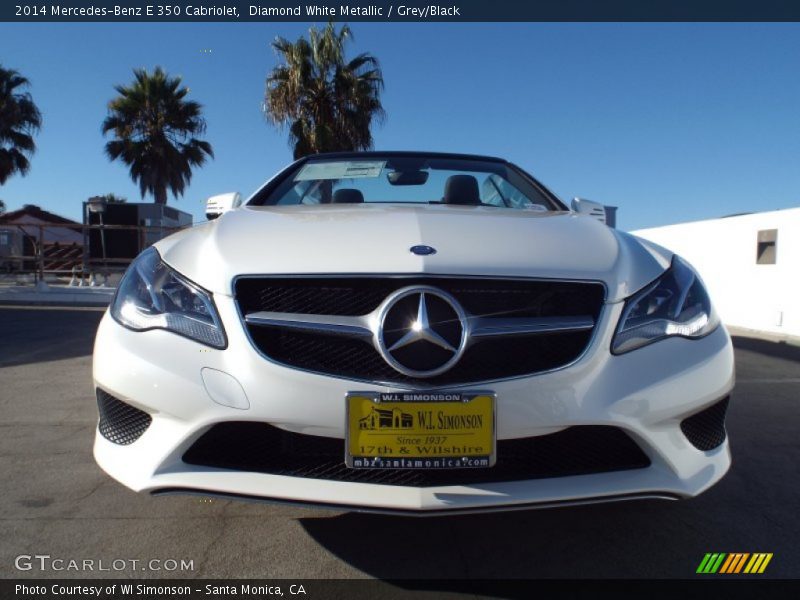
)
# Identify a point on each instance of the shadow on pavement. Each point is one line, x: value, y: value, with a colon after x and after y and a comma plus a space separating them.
x: 40, y: 335
x: 768, y: 348
x: 590, y: 541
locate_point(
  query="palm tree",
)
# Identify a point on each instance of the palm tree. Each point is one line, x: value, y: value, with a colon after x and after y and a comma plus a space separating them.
x: 114, y: 199
x: 19, y: 120
x: 154, y: 128
x: 327, y: 103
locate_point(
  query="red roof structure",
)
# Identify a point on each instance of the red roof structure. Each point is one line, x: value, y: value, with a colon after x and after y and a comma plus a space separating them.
x: 60, y: 230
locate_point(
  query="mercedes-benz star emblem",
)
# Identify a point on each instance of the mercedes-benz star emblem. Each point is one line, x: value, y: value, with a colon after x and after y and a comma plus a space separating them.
x: 422, y: 250
x: 422, y: 331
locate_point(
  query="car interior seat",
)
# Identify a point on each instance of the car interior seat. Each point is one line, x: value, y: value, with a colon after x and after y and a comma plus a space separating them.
x: 347, y: 196
x: 461, y: 189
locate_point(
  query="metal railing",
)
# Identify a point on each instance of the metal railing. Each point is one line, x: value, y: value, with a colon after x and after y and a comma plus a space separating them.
x: 52, y: 257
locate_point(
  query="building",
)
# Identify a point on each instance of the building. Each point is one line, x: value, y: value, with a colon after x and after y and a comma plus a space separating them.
x: 122, y: 230
x: 750, y: 264
x: 379, y: 418
x: 23, y: 232
x: 58, y: 229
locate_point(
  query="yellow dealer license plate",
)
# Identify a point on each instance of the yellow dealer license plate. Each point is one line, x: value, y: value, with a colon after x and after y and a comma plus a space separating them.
x: 420, y: 430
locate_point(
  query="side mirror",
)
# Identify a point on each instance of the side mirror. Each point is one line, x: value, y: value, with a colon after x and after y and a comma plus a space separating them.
x: 587, y: 207
x: 222, y: 203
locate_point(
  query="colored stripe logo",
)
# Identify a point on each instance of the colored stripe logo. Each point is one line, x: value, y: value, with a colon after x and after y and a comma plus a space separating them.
x: 734, y: 563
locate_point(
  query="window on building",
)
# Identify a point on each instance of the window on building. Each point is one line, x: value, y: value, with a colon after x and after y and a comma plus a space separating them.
x: 767, y: 247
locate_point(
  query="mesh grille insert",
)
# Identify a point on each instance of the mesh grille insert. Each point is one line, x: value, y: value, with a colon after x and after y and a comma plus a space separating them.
x: 354, y: 359
x: 361, y: 295
x: 262, y: 448
x: 120, y: 423
x: 706, y: 429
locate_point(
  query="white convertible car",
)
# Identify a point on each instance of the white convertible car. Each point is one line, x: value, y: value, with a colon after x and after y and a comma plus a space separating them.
x: 414, y: 333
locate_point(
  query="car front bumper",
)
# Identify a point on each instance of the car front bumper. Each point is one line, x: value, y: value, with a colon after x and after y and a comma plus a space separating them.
x: 646, y: 393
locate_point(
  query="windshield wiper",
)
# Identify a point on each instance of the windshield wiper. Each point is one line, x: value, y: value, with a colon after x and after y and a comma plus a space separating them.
x: 454, y: 204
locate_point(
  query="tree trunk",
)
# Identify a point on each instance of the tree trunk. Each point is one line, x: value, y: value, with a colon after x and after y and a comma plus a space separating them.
x: 161, y: 195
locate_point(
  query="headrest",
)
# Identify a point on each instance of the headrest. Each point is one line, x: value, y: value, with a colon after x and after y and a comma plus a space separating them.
x: 461, y: 189
x: 347, y: 196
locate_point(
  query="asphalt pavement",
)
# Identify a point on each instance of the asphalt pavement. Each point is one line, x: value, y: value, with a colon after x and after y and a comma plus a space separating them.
x: 57, y: 502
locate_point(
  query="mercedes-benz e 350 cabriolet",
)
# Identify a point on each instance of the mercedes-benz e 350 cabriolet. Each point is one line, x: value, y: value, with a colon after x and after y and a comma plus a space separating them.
x: 416, y: 333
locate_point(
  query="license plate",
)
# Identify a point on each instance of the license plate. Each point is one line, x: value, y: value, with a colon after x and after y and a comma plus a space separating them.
x: 420, y: 430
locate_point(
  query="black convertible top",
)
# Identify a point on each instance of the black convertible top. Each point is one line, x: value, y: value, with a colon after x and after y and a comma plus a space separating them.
x: 402, y: 153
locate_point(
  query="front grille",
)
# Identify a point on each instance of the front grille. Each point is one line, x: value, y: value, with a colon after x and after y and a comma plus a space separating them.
x: 706, y: 429
x: 488, y: 359
x: 120, y: 423
x: 263, y: 448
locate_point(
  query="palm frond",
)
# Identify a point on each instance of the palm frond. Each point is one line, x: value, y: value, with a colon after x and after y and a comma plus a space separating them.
x: 156, y: 133
x: 327, y: 102
x: 20, y: 119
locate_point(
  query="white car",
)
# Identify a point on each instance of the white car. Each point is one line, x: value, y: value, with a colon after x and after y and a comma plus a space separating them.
x: 414, y: 333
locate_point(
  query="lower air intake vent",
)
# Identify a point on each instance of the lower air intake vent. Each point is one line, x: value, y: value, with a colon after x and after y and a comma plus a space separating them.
x: 706, y: 429
x: 262, y: 448
x: 119, y: 422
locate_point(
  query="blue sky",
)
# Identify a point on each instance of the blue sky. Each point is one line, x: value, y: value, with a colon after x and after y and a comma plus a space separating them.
x: 670, y: 122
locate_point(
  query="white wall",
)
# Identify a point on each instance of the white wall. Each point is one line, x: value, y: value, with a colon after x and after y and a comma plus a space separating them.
x: 746, y: 294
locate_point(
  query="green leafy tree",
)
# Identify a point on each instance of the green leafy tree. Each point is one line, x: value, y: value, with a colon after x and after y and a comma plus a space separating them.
x: 2, y: 207
x: 327, y: 102
x: 19, y: 121
x: 156, y: 133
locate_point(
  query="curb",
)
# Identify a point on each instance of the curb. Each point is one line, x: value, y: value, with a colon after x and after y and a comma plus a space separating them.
x: 98, y: 297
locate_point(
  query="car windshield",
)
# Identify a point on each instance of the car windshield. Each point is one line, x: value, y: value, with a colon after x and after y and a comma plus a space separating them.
x: 408, y: 179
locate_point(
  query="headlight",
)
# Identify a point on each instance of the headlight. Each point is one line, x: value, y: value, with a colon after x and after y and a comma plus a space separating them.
x: 675, y: 305
x: 153, y: 296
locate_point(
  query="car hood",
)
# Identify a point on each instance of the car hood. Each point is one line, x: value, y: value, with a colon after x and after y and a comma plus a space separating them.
x: 376, y: 239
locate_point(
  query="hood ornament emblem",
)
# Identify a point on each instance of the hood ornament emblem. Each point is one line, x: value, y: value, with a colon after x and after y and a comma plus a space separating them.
x: 422, y: 331
x: 422, y: 250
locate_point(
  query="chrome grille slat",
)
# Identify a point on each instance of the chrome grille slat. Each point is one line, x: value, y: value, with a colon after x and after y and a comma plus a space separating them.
x: 364, y: 326
x: 491, y: 326
x: 358, y: 327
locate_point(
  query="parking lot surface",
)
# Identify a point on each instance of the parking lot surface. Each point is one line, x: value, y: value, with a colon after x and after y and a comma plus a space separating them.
x: 56, y: 501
